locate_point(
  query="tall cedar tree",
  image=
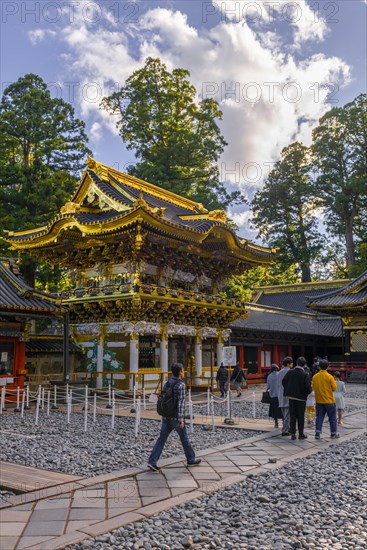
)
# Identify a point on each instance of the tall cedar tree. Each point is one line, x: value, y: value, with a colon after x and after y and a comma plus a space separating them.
x: 42, y: 150
x: 340, y: 155
x: 176, y: 139
x: 284, y: 211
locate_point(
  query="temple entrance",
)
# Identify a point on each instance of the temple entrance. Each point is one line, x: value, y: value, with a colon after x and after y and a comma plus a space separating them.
x: 250, y: 360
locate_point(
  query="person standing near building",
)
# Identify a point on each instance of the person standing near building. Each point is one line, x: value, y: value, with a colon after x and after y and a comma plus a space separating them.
x: 238, y: 377
x: 339, y: 396
x: 282, y: 399
x: 222, y: 379
x: 297, y: 386
x: 324, y: 386
x: 272, y: 387
x: 176, y: 422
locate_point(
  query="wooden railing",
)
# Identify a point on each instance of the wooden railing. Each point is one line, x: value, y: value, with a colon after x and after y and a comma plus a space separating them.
x: 150, y: 290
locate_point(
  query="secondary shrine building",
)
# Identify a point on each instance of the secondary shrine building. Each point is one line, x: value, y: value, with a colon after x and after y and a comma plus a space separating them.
x: 147, y: 268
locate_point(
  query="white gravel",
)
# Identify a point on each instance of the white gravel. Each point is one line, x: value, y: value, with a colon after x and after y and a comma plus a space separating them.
x: 318, y: 502
x: 54, y: 445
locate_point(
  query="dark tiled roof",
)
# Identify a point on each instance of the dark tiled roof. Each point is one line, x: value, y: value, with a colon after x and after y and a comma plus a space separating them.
x: 16, y: 296
x: 292, y: 300
x: 275, y: 320
x: 172, y: 212
x: 353, y: 297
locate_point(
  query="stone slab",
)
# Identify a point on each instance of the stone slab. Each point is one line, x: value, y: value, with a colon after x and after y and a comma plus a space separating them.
x: 87, y: 513
x: 43, y: 528
x: 8, y: 543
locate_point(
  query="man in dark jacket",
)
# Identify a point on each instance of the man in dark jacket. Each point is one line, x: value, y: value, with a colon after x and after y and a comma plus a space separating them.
x: 297, y: 386
x: 176, y: 422
x: 238, y: 376
x: 222, y: 378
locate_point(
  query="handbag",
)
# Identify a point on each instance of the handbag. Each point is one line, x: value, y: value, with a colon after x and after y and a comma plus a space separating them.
x: 265, y: 397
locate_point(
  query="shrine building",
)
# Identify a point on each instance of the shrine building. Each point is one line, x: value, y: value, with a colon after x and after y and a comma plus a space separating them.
x: 147, y: 269
x: 350, y: 304
x: 19, y: 306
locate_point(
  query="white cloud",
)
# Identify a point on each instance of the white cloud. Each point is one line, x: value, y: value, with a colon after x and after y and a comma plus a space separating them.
x: 269, y: 97
x: 38, y: 35
x: 307, y: 23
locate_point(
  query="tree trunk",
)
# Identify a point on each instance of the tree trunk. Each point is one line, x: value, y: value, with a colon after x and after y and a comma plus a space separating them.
x: 306, y: 273
x: 349, y: 241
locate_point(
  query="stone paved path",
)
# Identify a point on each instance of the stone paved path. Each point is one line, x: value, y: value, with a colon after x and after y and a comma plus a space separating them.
x: 52, y: 518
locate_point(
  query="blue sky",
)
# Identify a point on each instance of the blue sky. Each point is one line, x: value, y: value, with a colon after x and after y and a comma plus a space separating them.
x: 275, y: 67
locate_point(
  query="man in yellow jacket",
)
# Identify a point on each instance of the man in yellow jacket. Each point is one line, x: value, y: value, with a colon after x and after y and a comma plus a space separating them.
x: 324, y: 386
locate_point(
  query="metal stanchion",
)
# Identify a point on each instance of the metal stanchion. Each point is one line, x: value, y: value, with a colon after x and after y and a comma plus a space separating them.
x: 54, y: 406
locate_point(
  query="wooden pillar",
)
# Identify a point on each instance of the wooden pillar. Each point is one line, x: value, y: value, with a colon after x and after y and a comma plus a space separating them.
x: 259, y: 365
x: 276, y: 354
x: 242, y: 357
x: 289, y: 350
x: 198, y: 358
x: 19, y: 363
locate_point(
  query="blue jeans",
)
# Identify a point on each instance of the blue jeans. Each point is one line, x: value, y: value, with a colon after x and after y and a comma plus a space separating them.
x: 166, y: 429
x: 222, y: 386
x: 330, y: 410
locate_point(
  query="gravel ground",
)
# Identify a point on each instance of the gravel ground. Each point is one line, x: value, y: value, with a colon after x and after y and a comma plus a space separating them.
x: 56, y: 446
x: 316, y: 502
x: 244, y: 410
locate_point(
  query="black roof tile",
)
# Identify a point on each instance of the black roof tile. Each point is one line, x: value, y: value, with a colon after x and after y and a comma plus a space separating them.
x: 17, y: 296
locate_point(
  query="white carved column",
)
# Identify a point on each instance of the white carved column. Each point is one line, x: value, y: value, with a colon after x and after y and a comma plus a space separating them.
x: 99, y: 381
x: 164, y: 351
x: 134, y: 357
x: 220, y: 354
x: 198, y: 358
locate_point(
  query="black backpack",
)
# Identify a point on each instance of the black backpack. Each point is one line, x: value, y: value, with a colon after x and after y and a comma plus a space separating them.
x: 167, y: 402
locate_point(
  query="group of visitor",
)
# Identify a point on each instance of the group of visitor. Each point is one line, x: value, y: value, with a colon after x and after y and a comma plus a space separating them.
x: 292, y: 390
x: 298, y: 393
x: 236, y: 379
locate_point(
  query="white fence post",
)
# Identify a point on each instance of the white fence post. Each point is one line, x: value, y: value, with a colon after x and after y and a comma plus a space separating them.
x: 38, y: 407
x: 23, y: 404
x: 113, y: 410
x: 17, y: 409
x: 212, y: 408
x: 86, y: 409
x: 253, y: 405
x: 54, y: 406
x: 137, y: 417
x: 94, y: 406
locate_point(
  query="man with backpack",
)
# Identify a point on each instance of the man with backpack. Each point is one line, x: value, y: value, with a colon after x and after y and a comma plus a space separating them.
x: 171, y: 405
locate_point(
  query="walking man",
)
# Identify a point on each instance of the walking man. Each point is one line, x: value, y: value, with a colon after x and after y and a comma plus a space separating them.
x: 282, y: 399
x: 176, y: 422
x: 324, y: 386
x: 222, y: 378
x: 297, y: 386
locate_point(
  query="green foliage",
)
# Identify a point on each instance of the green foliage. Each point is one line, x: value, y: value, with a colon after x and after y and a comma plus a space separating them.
x: 176, y: 139
x: 42, y: 150
x: 340, y: 155
x: 242, y: 286
x: 284, y: 211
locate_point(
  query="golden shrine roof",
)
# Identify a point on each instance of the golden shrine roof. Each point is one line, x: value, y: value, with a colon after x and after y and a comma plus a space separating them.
x: 108, y: 201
